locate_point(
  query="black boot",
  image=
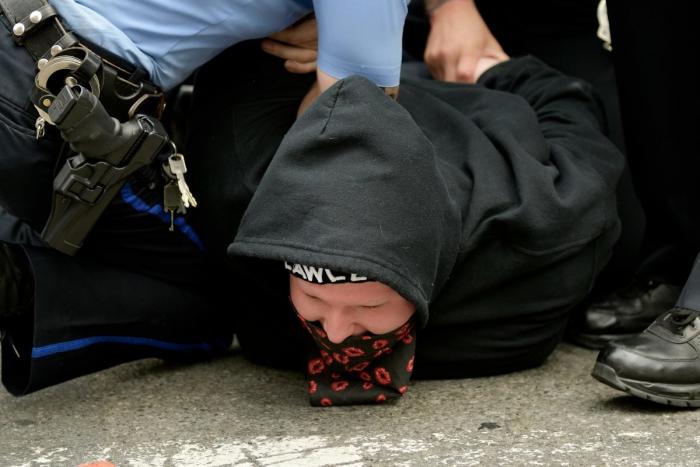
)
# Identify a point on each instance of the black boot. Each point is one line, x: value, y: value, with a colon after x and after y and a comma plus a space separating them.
x: 662, y: 364
x: 624, y: 313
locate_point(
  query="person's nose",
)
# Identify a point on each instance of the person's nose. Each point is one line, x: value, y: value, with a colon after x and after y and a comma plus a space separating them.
x: 338, y: 326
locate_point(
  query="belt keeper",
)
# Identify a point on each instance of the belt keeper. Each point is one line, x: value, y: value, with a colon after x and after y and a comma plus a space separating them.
x: 68, y: 40
x: 32, y: 22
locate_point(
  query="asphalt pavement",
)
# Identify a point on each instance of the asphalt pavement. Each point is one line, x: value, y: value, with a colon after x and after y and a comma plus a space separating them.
x: 231, y: 412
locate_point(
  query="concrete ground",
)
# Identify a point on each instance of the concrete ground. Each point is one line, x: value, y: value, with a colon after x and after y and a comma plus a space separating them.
x: 230, y: 412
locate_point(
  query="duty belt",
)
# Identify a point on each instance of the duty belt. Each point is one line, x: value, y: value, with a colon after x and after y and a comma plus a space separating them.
x: 64, y: 59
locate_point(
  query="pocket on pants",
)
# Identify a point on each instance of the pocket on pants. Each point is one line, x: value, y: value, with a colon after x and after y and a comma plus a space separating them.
x: 26, y: 166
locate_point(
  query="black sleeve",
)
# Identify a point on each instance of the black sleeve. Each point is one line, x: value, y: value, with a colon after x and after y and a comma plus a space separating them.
x: 549, y: 92
x: 569, y: 112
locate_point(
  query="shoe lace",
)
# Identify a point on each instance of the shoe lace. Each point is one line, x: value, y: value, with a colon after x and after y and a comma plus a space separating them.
x: 678, y: 318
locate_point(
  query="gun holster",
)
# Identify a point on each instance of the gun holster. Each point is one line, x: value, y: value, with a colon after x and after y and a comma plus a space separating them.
x: 107, y: 153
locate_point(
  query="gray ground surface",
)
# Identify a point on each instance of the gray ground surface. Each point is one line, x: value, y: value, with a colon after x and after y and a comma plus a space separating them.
x: 230, y: 412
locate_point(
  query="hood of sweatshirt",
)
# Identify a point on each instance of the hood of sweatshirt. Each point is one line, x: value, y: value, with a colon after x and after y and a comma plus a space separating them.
x: 356, y: 186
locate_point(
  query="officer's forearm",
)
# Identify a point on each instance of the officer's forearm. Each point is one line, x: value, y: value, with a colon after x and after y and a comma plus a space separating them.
x: 325, y: 80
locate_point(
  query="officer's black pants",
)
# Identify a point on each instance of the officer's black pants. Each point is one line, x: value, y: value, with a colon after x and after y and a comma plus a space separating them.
x: 657, y: 52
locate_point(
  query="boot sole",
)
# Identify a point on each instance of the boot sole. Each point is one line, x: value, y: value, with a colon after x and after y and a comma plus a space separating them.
x: 677, y: 395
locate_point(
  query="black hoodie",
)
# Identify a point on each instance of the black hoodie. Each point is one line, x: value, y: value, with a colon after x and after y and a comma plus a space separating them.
x: 450, y: 195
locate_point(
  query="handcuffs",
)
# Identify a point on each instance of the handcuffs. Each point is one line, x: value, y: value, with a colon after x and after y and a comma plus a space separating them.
x: 122, y: 98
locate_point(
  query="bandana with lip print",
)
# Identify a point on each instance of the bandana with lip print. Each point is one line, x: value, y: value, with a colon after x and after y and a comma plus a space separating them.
x: 366, y: 369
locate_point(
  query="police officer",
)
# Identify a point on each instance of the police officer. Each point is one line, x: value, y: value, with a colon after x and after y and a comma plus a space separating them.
x: 129, y: 266
x: 655, y: 45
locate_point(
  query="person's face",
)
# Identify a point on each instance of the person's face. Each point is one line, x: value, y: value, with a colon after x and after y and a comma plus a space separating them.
x: 350, y: 309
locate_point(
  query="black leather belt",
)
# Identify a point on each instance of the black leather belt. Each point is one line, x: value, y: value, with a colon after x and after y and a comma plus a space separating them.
x: 63, y: 58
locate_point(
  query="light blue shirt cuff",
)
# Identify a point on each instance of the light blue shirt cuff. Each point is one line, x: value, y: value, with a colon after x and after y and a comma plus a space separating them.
x: 361, y: 37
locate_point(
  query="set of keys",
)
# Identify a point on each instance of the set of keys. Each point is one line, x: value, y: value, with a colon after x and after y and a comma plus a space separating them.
x: 177, y: 196
x: 40, y: 126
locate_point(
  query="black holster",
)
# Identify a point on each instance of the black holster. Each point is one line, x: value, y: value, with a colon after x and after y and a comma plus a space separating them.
x: 107, y: 153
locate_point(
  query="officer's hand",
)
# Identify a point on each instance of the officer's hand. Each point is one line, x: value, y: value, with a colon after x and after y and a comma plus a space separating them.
x: 297, y: 45
x: 460, y: 46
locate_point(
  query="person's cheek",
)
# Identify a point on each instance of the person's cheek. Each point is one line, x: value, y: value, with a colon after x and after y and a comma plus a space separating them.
x: 381, y: 324
x: 388, y: 320
x: 307, y: 309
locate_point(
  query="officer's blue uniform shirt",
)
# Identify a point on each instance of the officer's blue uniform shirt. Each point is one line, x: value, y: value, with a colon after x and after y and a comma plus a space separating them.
x: 171, y: 38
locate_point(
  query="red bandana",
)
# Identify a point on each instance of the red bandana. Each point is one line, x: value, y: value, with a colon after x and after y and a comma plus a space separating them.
x: 371, y: 368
